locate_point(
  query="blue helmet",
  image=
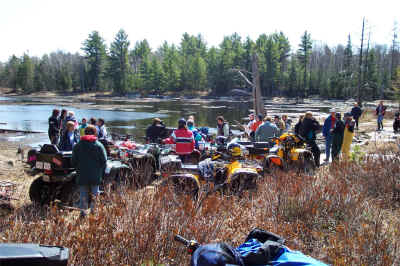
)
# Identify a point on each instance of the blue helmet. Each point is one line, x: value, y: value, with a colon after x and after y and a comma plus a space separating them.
x: 182, y: 122
x: 216, y: 255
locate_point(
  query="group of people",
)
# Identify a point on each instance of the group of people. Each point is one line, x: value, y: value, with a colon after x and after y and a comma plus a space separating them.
x: 338, y: 134
x: 65, y: 131
x: 262, y: 128
x: 88, y: 154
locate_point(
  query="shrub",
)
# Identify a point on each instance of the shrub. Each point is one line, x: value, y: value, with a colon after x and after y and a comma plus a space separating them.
x: 346, y: 215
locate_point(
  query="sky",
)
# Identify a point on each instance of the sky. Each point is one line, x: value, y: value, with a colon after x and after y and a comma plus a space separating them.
x: 37, y: 27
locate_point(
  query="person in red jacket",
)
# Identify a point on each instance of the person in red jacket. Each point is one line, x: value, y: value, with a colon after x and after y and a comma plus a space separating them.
x: 183, y: 139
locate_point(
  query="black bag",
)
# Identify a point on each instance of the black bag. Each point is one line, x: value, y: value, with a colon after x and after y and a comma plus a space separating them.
x: 262, y: 236
x: 271, y: 248
x: 12, y: 254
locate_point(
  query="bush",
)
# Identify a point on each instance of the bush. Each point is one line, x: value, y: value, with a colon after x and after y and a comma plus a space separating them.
x: 346, y: 215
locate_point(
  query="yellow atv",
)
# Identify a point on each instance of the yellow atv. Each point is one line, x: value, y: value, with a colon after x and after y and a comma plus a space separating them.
x: 228, y: 174
x: 289, y: 152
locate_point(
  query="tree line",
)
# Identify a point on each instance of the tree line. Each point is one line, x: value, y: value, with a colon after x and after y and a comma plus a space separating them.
x: 308, y: 68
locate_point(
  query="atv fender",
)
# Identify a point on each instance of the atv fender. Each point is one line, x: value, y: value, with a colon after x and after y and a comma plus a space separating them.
x: 58, y: 178
x: 184, y: 183
x: 274, y: 159
x: 113, y: 170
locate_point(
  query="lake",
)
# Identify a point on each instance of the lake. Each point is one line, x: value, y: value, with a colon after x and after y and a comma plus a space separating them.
x: 33, y: 115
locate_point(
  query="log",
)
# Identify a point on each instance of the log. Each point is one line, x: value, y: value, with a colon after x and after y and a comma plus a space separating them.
x: 4, y: 130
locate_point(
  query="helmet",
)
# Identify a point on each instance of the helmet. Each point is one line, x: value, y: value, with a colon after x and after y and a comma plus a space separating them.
x: 182, y: 122
x: 234, y: 149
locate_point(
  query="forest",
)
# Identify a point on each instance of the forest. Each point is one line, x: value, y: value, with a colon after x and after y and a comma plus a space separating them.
x: 291, y: 70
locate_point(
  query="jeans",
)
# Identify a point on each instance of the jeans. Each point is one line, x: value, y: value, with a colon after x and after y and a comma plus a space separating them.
x: 356, y: 119
x: 84, y: 196
x: 315, y: 151
x: 328, y: 145
x: 380, y: 122
x: 54, y: 139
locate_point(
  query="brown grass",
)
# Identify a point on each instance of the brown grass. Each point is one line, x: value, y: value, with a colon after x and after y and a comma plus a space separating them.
x: 347, y: 215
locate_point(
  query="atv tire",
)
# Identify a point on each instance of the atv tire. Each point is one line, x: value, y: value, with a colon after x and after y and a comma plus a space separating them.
x: 70, y: 195
x: 308, y: 167
x: 40, y: 192
x: 143, y: 172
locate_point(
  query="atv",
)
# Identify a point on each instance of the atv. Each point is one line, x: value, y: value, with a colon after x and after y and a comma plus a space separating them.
x: 226, y: 174
x: 56, y: 175
x: 290, y: 151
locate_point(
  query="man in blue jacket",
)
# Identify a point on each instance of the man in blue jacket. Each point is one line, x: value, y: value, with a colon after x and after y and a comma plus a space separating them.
x: 327, y: 129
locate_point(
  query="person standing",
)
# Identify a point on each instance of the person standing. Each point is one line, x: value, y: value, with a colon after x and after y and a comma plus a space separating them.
x: 356, y: 112
x: 254, y: 126
x: 71, y: 117
x: 183, y: 140
x: 380, y: 112
x: 102, y: 134
x: 347, y: 136
x: 329, y: 124
x: 248, y: 126
x: 82, y: 127
x: 69, y: 138
x: 63, y: 121
x: 54, y: 127
x: 337, y: 136
x: 279, y: 124
x: 266, y: 131
x: 223, y: 127
x: 298, y: 125
x: 89, y: 157
x: 396, y: 122
x: 308, y: 130
x: 287, y: 123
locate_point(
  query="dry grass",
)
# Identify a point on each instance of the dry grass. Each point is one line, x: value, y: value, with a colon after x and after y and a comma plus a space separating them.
x: 347, y: 215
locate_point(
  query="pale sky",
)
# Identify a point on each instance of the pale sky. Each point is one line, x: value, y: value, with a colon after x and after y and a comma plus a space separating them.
x: 44, y: 26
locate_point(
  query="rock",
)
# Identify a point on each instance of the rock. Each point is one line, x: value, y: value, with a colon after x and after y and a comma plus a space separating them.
x: 239, y: 93
x: 11, y: 163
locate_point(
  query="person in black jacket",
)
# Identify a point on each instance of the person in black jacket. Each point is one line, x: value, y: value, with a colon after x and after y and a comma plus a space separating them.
x: 54, y: 127
x: 156, y: 131
x: 337, y: 136
x: 62, y: 121
x: 356, y: 112
x: 308, y: 130
x: 396, y: 122
x: 298, y: 125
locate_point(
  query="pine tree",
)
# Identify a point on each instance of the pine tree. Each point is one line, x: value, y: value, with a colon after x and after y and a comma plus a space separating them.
x: 25, y: 75
x: 198, y: 74
x: 95, y: 54
x: 304, y: 51
x: 119, y: 62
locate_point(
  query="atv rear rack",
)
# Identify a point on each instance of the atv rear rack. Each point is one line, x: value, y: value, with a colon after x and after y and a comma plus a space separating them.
x: 7, y: 190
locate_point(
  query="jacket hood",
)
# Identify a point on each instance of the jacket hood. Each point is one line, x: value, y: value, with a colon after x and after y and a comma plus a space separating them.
x: 90, y: 138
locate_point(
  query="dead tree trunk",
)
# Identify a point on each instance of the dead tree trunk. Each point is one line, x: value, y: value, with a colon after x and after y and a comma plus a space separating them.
x: 258, y: 101
x: 360, y: 72
x: 255, y: 84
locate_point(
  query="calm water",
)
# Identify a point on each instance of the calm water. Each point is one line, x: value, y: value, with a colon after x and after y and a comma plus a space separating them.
x: 33, y: 116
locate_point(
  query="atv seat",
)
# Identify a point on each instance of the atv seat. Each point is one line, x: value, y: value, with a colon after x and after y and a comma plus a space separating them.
x: 263, y: 144
x: 258, y: 151
x: 192, y: 168
x: 274, y: 150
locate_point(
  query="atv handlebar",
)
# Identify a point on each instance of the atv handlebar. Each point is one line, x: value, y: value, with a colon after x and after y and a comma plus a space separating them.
x: 182, y: 240
x: 191, y: 245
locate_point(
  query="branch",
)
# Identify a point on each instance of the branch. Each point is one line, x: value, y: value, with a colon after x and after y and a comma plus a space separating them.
x: 243, y: 76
